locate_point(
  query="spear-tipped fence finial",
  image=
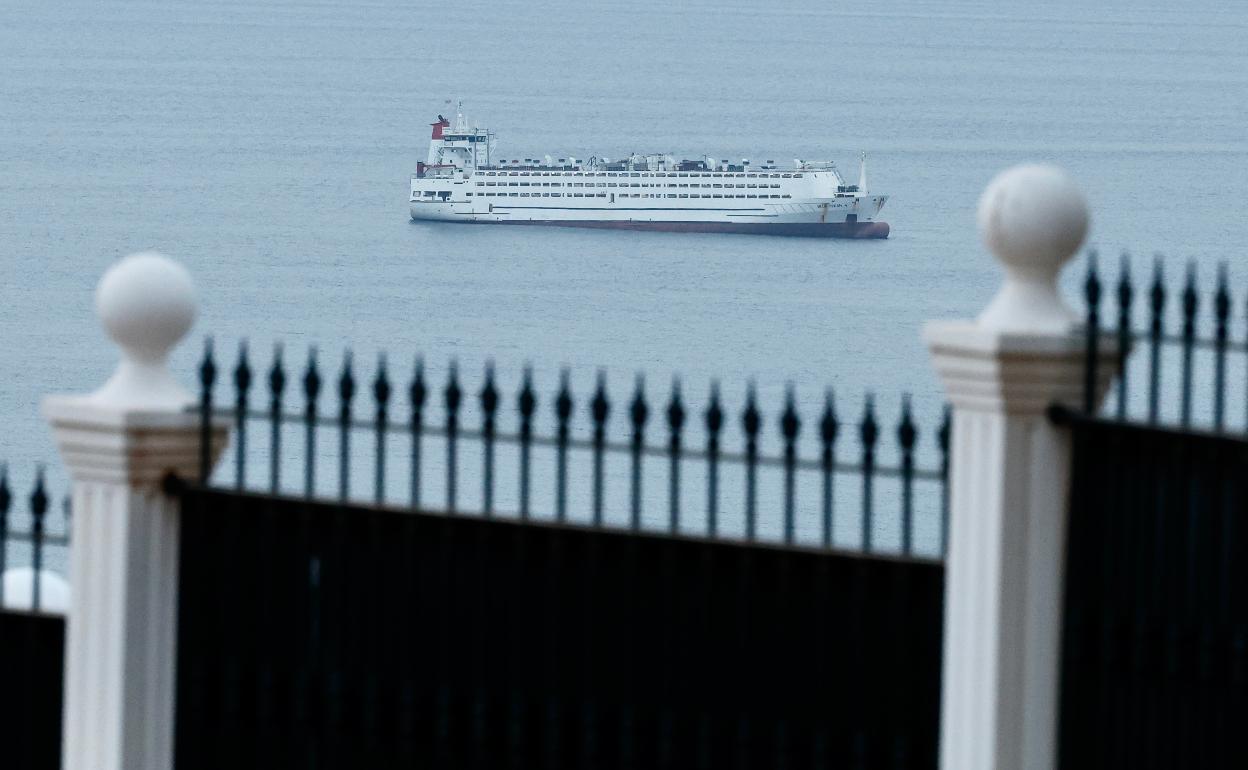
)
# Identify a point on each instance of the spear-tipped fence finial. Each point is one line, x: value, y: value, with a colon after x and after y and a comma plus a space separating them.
x: 600, y: 410
x: 381, y: 398
x: 868, y: 432
x: 526, y: 404
x: 751, y: 423
x: 38, y: 508
x: 1191, y: 304
x: 1126, y: 295
x: 675, y: 422
x: 638, y: 412
x: 790, y: 425
x: 828, y: 429
x: 907, y: 437
x: 489, y: 408
x: 563, y: 418
x: 242, y: 385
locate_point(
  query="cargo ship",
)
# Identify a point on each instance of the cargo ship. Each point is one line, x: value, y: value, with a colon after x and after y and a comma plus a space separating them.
x: 461, y: 180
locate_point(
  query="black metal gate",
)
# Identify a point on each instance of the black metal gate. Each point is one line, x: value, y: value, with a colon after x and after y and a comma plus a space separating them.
x: 1155, y: 666
x: 333, y: 635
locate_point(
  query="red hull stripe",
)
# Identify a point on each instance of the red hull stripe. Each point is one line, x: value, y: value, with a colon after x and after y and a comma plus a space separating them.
x: 803, y: 229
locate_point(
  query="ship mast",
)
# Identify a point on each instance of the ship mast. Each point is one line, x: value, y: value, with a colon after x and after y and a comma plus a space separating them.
x: 862, y: 172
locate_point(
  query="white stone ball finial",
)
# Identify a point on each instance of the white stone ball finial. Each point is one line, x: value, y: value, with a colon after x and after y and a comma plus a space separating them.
x: 147, y: 303
x: 1033, y: 218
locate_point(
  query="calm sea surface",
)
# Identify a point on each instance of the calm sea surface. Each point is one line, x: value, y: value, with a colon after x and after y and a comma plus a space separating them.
x: 268, y: 147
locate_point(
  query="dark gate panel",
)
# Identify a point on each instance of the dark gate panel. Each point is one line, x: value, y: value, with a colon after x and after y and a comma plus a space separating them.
x: 1155, y: 666
x: 318, y: 635
x: 32, y: 652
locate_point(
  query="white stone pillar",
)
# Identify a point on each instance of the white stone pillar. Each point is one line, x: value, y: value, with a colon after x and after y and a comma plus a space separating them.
x: 1009, y: 479
x: 118, y: 443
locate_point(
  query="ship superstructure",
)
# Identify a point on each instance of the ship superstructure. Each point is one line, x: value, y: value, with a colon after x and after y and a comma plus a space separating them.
x: 461, y: 181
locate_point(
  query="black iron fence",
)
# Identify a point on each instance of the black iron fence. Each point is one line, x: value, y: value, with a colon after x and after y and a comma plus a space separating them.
x: 28, y: 540
x: 31, y: 642
x: 742, y: 493
x: 572, y: 597
x: 1186, y: 350
x: 1155, y: 647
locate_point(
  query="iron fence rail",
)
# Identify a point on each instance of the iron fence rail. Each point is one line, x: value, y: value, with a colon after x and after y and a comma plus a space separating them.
x: 1157, y: 337
x: 36, y: 536
x: 425, y: 420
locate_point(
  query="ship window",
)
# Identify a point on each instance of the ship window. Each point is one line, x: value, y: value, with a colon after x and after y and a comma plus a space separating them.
x: 717, y: 186
x: 797, y: 176
x: 751, y: 176
x: 469, y: 194
x: 429, y: 193
x: 788, y: 196
x: 717, y: 196
x: 751, y: 196
x: 684, y: 195
x: 602, y: 195
x: 751, y: 185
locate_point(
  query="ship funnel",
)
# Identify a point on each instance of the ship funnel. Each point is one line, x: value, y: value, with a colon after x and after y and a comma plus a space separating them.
x: 862, y: 173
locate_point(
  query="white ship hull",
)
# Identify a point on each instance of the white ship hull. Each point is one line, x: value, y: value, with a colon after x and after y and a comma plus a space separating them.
x: 845, y: 217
